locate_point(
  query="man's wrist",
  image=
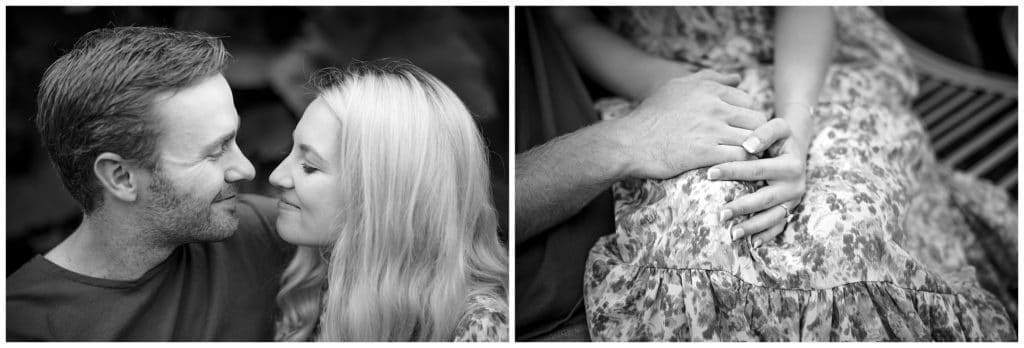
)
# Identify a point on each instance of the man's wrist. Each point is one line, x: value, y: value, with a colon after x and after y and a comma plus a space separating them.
x: 612, y: 142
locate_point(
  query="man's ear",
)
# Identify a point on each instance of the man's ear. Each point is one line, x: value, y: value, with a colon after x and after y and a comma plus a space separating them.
x: 117, y: 177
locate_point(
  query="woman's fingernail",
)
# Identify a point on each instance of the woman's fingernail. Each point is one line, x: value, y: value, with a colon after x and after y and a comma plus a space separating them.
x: 714, y: 173
x: 725, y: 214
x: 752, y: 144
x: 737, y: 233
x: 757, y: 243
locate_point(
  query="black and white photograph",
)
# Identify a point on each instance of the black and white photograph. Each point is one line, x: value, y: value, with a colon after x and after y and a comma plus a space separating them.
x: 269, y: 173
x: 802, y: 173
x: 511, y: 172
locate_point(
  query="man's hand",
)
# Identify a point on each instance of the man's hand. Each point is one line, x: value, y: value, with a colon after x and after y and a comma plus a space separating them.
x: 688, y: 123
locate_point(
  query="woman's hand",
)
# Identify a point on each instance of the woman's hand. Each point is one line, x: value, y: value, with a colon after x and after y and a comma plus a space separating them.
x: 784, y: 171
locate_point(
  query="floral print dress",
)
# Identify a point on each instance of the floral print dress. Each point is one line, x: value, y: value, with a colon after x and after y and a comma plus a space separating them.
x: 887, y: 243
x: 487, y: 323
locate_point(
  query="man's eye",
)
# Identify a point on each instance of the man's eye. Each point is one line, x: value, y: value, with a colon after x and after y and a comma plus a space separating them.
x: 221, y: 152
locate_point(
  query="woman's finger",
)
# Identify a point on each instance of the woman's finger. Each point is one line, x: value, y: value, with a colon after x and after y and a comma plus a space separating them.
x: 766, y: 135
x: 759, y: 222
x: 770, y: 233
x: 760, y: 200
x: 773, y: 168
x: 788, y: 236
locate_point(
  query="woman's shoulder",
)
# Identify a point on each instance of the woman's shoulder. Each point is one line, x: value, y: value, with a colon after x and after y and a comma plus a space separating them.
x: 486, y: 321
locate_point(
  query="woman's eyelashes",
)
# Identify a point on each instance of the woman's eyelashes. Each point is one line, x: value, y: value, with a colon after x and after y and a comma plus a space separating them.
x: 307, y: 168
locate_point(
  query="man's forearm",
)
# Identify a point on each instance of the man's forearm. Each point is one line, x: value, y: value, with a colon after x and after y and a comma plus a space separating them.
x: 557, y: 179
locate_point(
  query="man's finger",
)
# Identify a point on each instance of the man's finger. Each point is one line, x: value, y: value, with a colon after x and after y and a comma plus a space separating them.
x: 728, y: 153
x: 737, y: 98
x: 721, y: 154
x: 733, y: 136
x: 773, y: 168
x: 725, y: 79
x: 745, y: 118
x: 766, y: 135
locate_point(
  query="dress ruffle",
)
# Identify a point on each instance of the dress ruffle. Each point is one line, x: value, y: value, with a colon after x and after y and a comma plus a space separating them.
x: 664, y: 304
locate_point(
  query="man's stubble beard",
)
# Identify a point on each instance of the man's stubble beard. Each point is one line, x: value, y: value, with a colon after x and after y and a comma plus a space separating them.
x: 180, y: 218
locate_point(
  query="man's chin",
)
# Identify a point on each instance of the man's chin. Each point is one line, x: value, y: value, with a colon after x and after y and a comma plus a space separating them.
x: 223, y: 228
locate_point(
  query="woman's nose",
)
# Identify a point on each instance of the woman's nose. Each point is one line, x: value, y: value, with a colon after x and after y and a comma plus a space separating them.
x: 280, y: 178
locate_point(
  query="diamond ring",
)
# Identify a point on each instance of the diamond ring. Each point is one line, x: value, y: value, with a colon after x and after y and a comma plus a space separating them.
x: 789, y: 216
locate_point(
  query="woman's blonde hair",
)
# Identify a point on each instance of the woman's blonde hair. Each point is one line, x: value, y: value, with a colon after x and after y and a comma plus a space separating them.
x: 417, y: 235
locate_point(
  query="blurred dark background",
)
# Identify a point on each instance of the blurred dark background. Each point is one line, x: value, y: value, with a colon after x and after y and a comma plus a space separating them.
x: 274, y: 50
x: 984, y: 37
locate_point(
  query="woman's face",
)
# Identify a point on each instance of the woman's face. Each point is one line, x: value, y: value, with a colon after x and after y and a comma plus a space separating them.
x: 309, y: 180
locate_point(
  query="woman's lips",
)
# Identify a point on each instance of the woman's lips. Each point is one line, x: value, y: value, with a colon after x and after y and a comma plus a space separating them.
x: 225, y: 199
x: 283, y: 204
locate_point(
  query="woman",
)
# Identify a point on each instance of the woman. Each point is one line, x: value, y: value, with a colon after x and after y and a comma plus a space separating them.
x: 880, y: 242
x: 386, y: 192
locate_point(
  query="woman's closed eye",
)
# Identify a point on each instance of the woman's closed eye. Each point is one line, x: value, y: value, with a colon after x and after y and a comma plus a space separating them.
x: 308, y: 169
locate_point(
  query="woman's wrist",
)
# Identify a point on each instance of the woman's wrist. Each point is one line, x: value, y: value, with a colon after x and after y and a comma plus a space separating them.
x: 794, y: 107
x: 798, y: 115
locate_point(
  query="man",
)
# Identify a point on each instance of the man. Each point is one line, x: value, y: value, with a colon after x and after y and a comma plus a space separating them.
x: 141, y: 125
x: 568, y: 161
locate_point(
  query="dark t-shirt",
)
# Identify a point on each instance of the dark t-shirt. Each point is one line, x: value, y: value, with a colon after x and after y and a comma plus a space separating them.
x: 202, y: 291
x: 552, y: 100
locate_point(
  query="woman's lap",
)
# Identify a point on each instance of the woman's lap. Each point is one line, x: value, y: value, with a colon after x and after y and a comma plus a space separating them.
x: 876, y: 250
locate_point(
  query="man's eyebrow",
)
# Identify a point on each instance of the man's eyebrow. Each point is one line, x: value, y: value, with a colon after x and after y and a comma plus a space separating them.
x: 217, y: 143
x: 309, y: 149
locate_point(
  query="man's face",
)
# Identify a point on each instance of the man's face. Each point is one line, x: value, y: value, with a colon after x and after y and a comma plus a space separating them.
x: 191, y: 197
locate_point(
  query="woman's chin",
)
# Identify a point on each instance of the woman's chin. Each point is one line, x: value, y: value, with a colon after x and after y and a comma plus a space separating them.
x: 290, y: 233
x: 294, y: 235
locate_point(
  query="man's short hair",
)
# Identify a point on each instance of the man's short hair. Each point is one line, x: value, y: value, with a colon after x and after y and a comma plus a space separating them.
x: 97, y: 98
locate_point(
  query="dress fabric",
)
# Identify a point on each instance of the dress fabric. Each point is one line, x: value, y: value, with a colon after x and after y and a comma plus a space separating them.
x: 487, y: 323
x: 887, y: 243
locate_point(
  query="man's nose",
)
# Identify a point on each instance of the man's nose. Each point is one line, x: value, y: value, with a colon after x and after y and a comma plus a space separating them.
x: 240, y: 169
